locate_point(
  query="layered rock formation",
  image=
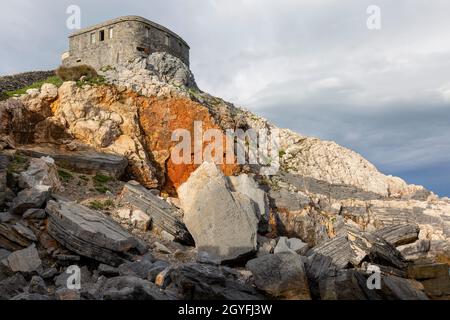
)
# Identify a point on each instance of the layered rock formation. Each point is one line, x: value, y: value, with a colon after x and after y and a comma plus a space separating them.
x: 314, y: 229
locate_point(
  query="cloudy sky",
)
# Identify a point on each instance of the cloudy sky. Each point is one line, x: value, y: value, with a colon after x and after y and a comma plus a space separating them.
x: 309, y: 65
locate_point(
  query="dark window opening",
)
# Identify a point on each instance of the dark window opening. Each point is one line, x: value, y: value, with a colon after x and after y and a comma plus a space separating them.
x: 145, y: 50
x: 79, y: 60
x: 102, y: 35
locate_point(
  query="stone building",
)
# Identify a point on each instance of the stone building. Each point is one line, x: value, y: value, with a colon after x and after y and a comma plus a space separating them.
x: 121, y: 40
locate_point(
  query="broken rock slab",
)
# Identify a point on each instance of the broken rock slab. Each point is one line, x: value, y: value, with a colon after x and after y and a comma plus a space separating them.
x: 33, y: 198
x: 162, y: 215
x: 40, y: 172
x: 15, y: 236
x: 281, y: 275
x: 246, y: 185
x: 90, y: 233
x: 350, y: 251
x: 292, y: 245
x: 83, y: 161
x: 224, y: 224
x: 399, y: 235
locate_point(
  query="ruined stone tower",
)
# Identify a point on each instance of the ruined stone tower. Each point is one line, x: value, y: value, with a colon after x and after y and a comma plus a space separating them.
x: 121, y: 40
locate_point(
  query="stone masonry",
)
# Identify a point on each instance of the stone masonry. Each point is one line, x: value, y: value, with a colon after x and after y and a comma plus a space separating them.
x: 122, y: 40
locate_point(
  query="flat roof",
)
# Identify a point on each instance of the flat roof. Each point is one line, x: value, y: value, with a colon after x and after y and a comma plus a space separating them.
x: 124, y: 19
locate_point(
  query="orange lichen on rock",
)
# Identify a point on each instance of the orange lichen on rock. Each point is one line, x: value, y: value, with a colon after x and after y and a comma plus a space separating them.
x: 159, y: 118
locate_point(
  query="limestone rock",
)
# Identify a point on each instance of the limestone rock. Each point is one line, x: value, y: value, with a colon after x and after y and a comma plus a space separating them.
x: 398, y: 235
x: 171, y: 70
x: 163, y: 215
x: 351, y: 250
x: 223, y: 223
x: 33, y: 198
x: 246, y: 185
x: 90, y: 234
x: 40, y: 172
x: 83, y: 161
x: 26, y: 260
x: 15, y: 236
x: 140, y: 220
x: 281, y: 275
x: 292, y: 245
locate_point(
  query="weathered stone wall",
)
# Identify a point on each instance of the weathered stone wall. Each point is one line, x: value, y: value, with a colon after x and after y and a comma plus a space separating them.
x: 132, y: 37
x: 21, y: 80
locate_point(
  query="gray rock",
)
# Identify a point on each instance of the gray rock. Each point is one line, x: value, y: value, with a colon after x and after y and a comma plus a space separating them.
x: 30, y: 199
x: 26, y: 260
x: 108, y: 271
x: 40, y: 172
x: 415, y: 251
x: 171, y: 70
x: 246, y: 185
x: 223, y: 223
x: 346, y: 285
x: 38, y: 214
x: 138, y: 269
x: 159, y: 247
x: 83, y: 161
x: 347, y: 251
x: 399, y: 235
x: 265, y: 245
x: 163, y: 215
x: 395, y: 288
x: 24, y: 231
x: 293, y: 245
x: 352, y: 285
x: 281, y: 275
x: 130, y: 288
x: 49, y: 273
x: 206, y: 282
x: 12, y: 286
x: 90, y: 233
x: 4, y: 254
x: 14, y: 237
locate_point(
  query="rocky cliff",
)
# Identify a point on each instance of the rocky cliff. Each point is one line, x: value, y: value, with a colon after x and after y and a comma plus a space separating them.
x: 142, y: 225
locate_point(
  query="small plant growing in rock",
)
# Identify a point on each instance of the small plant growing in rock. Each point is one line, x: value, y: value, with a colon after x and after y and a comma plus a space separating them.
x: 65, y: 176
x: 101, y: 205
x: 100, y: 183
x: 18, y: 164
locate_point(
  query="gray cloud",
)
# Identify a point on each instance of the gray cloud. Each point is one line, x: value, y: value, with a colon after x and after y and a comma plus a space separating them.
x: 309, y: 65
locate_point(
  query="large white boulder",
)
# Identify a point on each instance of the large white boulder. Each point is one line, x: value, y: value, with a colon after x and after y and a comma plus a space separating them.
x: 223, y: 223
